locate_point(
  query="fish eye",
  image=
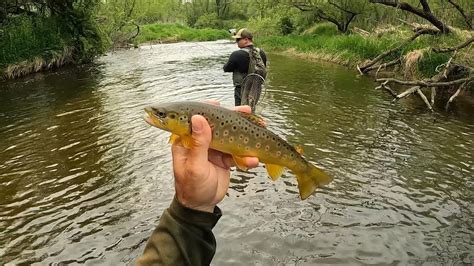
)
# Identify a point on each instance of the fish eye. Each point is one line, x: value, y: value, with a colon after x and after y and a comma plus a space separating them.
x: 161, y: 114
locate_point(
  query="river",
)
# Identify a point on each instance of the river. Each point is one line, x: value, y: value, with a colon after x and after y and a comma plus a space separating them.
x: 84, y: 180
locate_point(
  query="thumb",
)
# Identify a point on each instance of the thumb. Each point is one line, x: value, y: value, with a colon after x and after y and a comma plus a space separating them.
x: 201, y: 134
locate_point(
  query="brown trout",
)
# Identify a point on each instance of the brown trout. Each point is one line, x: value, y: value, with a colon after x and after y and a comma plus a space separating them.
x: 241, y: 135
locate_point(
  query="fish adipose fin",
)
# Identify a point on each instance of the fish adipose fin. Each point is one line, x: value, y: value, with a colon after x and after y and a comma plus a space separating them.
x: 310, y: 180
x: 274, y: 170
x: 240, y: 163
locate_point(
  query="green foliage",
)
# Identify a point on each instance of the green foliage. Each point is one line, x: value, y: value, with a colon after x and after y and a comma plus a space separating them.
x: 209, y: 20
x: 430, y: 63
x: 177, y: 32
x: 47, y: 31
x: 324, y: 29
x: 24, y: 37
x: 286, y: 26
x: 271, y: 19
x: 82, y: 31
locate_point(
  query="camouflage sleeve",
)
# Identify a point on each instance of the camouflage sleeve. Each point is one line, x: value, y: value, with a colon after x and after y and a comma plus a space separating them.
x: 183, y: 237
x: 264, y: 56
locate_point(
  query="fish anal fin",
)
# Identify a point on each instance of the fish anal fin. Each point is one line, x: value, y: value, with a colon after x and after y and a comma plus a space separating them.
x: 274, y: 170
x: 240, y: 162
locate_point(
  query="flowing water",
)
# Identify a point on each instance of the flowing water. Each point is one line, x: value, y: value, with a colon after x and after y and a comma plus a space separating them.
x: 84, y: 180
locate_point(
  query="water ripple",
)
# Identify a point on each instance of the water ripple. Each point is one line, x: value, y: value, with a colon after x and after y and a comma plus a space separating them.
x: 83, y: 179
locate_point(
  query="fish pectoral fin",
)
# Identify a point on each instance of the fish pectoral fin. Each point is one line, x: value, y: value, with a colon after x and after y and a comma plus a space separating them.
x: 240, y: 162
x: 274, y: 170
x: 187, y: 141
x: 173, y: 138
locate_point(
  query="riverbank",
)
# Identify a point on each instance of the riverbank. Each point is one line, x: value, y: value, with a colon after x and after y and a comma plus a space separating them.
x: 31, y: 50
x: 323, y: 42
x: 169, y: 33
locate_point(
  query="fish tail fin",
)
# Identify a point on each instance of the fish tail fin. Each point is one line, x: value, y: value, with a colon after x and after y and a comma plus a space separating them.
x: 311, y: 179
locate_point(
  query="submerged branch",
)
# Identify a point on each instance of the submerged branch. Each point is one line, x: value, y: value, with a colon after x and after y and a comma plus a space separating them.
x: 458, y: 91
x: 423, y: 97
x: 387, y: 88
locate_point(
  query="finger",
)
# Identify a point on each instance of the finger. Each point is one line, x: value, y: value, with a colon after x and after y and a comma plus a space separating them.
x: 201, y: 134
x: 251, y: 162
x: 243, y: 108
x: 214, y: 102
x: 220, y: 159
x: 224, y: 160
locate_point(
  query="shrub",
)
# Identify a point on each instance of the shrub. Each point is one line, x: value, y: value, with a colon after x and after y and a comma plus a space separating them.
x: 209, y: 20
x: 286, y: 26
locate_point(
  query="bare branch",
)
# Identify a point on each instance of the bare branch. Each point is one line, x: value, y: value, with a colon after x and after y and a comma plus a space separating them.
x: 422, y: 83
x: 366, y: 68
x: 433, y: 95
x: 424, y: 13
x: 467, y: 19
x: 448, y: 64
x: 387, y: 88
x: 458, y: 91
x: 425, y: 6
x: 450, y: 49
x: 407, y: 92
x: 423, y: 97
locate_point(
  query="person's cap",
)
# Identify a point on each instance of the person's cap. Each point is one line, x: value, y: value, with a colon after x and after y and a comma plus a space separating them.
x: 243, y: 33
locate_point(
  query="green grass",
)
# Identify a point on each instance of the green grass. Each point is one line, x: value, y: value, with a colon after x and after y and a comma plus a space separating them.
x: 176, y: 32
x: 25, y: 38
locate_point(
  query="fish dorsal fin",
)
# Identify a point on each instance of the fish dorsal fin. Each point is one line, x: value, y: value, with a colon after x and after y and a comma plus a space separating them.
x: 274, y: 170
x: 257, y: 120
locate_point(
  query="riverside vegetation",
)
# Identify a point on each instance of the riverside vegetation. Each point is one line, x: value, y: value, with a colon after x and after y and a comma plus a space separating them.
x: 424, y: 45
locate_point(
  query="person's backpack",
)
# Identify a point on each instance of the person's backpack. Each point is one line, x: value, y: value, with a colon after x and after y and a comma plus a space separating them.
x: 256, y: 64
x: 253, y: 82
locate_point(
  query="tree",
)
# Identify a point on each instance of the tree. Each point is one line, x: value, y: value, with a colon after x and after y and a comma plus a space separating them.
x: 424, y: 13
x: 339, y: 12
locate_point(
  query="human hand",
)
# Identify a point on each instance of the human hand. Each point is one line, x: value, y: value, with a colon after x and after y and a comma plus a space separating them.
x: 202, y: 175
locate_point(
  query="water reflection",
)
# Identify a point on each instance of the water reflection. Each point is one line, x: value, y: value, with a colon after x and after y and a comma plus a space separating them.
x: 84, y: 180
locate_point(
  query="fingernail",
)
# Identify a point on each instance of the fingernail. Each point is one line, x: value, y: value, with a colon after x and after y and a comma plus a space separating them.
x: 196, y: 126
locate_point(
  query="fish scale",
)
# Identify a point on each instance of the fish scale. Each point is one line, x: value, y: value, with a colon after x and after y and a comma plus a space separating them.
x: 241, y: 135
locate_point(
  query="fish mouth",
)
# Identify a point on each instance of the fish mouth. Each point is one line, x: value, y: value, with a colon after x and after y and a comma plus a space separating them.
x: 151, y: 119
